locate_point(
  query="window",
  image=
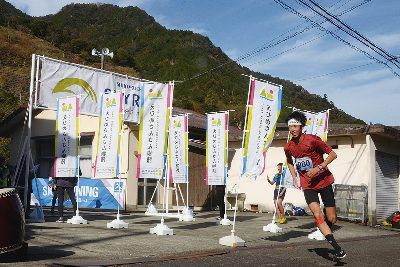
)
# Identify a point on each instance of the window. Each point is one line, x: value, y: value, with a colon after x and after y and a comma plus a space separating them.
x: 146, y: 189
x: 85, y: 153
x: 45, y: 149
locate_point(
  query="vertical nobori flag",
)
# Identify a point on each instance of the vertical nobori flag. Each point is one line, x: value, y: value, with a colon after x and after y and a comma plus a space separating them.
x: 178, y: 144
x: 216, y: 157
x: 316, y: 124
x: 108, y: 142
x: 263, y: 113
x: 67, y: 125
x: 155, y: 104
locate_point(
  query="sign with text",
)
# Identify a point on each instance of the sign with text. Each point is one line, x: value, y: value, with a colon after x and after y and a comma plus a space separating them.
x: 67, y: 125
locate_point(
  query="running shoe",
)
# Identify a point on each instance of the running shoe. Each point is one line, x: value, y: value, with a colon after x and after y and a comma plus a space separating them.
x: 278, y: 221
x: 339, y: 256
x: 283, y: 220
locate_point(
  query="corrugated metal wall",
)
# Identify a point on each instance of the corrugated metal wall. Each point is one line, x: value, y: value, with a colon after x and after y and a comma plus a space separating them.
x: 387, y: 185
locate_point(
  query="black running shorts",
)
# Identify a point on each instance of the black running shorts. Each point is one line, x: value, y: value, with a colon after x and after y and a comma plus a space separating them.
x: 327, y: 196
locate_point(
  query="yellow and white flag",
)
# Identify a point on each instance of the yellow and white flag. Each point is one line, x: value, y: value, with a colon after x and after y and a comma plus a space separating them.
x: 156, y: 102
x: 67, y: 126
x: 178, y: 149
x: 263, y: 113
x: 108, y: 142
x: 216, y: 150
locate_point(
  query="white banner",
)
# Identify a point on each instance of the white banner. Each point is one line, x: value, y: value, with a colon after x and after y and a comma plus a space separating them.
x: 67, y: 126
x: 60, y: 79
x: 156, y: 102
x: 263, y: 113
x: 316, y: 124
x: 178, y: 153
x: 108, y: 142
x: 216, y: 160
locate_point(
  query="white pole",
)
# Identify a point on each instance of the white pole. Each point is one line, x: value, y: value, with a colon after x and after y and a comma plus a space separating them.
x: 187, y: 159
x: 77, y: 219
x: 28, y: 144
x: 241, y: 158
x: 120, y: 223
x: 233, y: 240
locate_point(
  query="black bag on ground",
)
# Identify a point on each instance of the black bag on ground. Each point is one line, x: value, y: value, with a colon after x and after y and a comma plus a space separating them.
x: 394, y: 214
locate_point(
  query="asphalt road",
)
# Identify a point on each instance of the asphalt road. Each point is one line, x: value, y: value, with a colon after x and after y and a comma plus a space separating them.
x: 196, y: 243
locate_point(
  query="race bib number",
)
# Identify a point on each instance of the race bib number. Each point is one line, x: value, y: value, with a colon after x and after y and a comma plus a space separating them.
x: 303, y: 164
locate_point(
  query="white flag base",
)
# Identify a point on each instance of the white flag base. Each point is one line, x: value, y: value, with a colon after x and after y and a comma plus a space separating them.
x: 187, y: 215
x: 224, y: 221
x: 151, y: 209
x: 161, y: 229
x: 186, y: 218
x: 273, y: 228
x: 316, y: 235
x: 36, y: 215
x: 231, y: 240
x: 117, y: 223
x: 77, y: 219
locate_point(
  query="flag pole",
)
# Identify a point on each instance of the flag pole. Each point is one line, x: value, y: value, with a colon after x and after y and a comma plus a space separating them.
x: 77, y: 219
x: 187, y: 214
x: 117, y: 223
x: 232, y: 240
x: 162, y: 229
x: 225, y: 220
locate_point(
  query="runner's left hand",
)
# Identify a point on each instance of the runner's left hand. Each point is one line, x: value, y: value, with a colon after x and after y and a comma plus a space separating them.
x: 311, y: 172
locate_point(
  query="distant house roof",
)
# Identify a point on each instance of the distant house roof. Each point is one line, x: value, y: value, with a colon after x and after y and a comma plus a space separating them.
x: 198, y: 125
x: 196, y: 121
x: 348, y: 129
x: 12, y: 120
x: 199, y: 121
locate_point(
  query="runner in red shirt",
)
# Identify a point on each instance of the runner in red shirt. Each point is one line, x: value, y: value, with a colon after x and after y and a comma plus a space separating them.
x: 315, y: 177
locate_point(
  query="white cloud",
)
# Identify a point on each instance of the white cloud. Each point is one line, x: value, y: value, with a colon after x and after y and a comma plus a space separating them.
x: 200, y: 31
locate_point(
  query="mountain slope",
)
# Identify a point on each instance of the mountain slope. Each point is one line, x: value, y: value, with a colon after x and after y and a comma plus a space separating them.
x: 141, y: 45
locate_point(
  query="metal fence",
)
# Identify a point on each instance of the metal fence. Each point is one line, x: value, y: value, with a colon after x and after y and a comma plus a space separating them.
x: 351, y: 201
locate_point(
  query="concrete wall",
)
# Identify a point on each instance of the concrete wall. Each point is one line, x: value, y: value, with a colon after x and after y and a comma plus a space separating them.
x: 351, y: 167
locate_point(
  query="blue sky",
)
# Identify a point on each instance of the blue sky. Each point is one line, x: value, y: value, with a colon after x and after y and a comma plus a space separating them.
x: 320, y: 63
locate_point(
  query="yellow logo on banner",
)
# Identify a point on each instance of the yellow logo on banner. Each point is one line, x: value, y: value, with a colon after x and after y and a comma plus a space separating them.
x: 268, y: 96
x: 216, y: 122
x: 110, y: 102
x: 154, y: 95
x: 64, y: 107
x: 62, y: 86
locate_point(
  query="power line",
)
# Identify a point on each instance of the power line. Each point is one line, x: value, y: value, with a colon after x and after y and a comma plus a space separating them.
x: 334, y: 72
x: 347, y: 29
x: 266, y: 46
x: 290, y: 9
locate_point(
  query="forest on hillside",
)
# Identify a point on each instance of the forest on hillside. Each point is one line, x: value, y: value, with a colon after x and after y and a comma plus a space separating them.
x: 206, y: 79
